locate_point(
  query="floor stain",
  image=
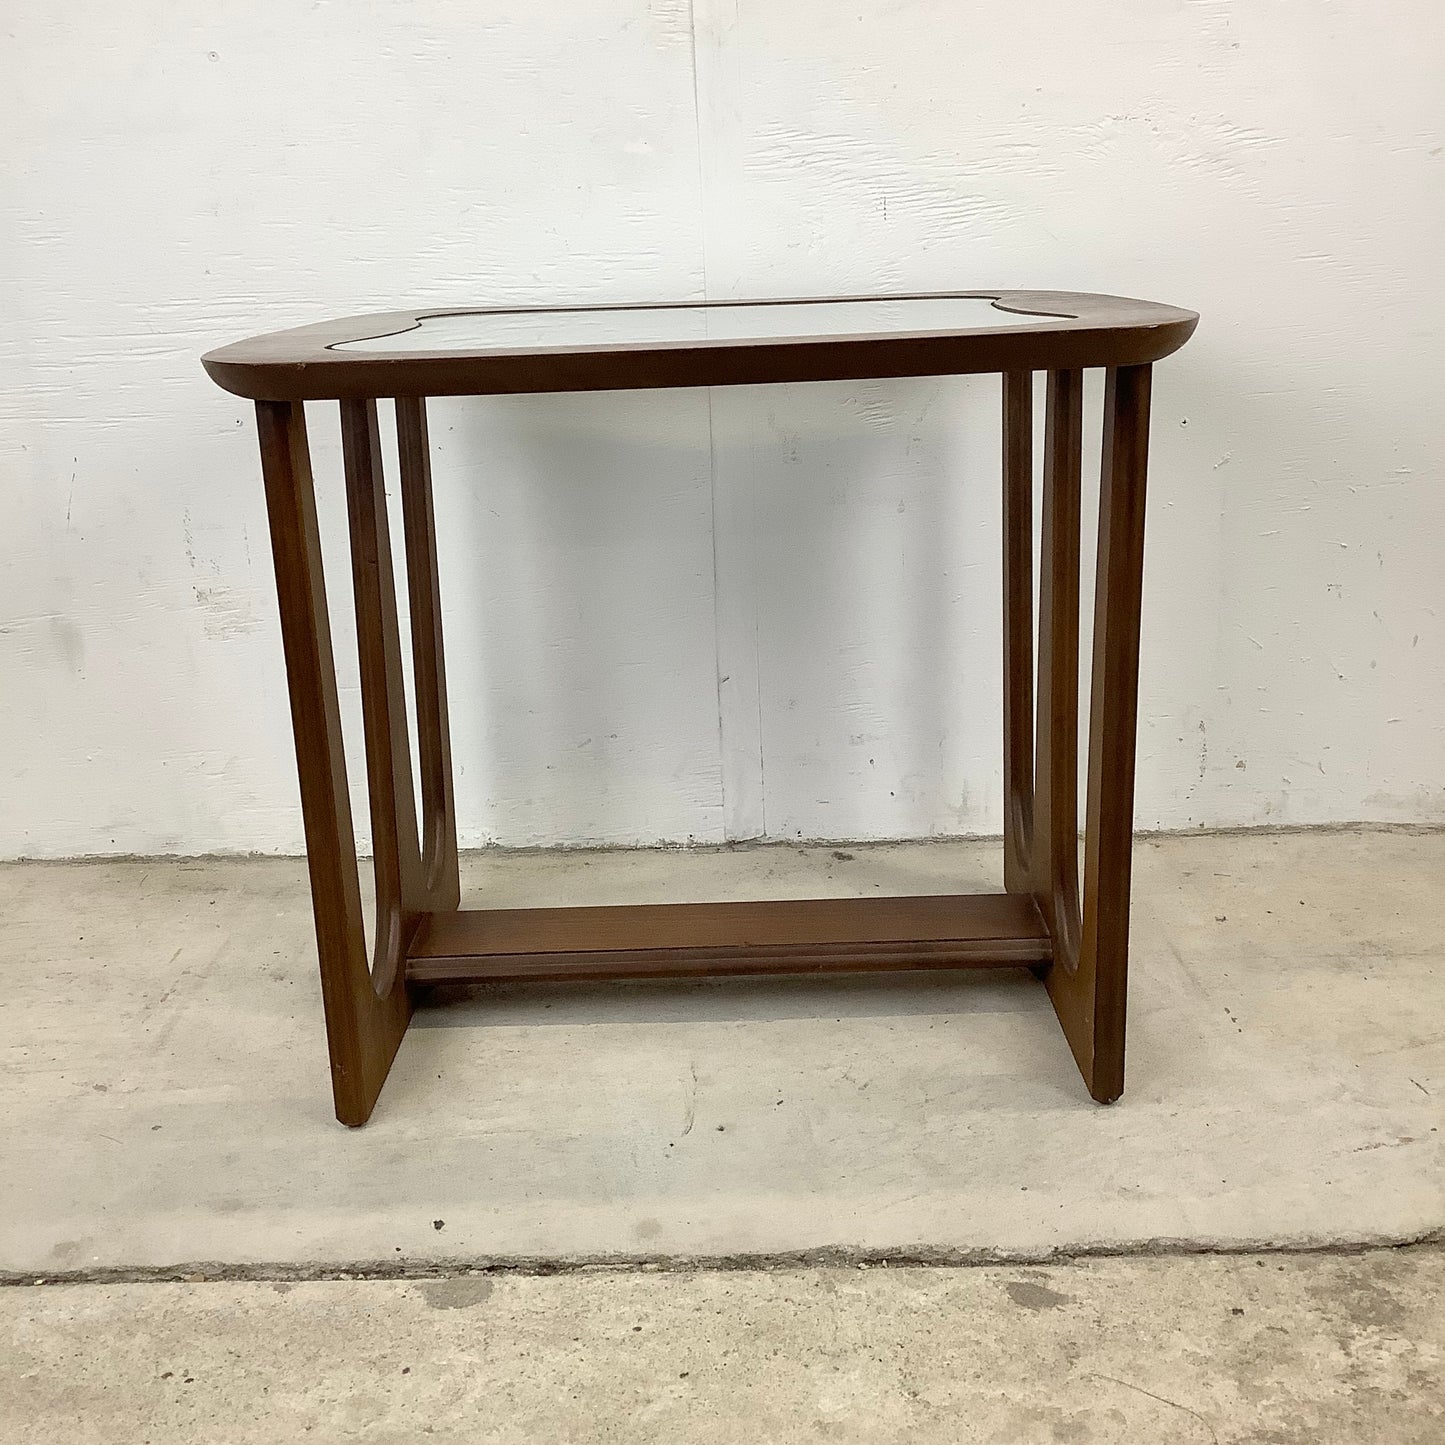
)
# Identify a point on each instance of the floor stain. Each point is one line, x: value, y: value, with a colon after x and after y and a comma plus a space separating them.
x: 456, y: 1294
x: 1033, y: 1296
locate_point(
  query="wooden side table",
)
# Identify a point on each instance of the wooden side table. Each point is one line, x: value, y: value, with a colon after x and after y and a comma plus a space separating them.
x: 1075, y: 939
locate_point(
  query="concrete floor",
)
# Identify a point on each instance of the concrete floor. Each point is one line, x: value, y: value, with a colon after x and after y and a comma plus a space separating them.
x: 167, y: 1117
x: 168, y: 1105
x: 1269, y: 1350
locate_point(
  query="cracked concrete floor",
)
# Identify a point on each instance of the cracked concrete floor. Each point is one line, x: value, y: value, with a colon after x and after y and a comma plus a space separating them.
x: 1202, y: 1350
x: 167, y: 1113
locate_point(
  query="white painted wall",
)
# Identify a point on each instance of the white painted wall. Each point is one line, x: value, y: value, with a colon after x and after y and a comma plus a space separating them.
x: 684, y: 615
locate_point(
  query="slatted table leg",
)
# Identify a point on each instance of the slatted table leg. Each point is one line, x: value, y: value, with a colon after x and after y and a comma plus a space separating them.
x: 1087, y: 978
x: 363, y: 1025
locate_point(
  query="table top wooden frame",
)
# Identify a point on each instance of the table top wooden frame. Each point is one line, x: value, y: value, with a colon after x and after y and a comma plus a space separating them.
x: 1072, y: 331
x: 1072, y: 932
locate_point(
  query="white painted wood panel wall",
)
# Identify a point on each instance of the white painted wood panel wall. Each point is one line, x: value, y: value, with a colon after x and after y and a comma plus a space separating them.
x: 764, y: 611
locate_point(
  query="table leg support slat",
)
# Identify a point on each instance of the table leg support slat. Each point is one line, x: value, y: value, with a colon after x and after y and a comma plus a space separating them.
x: 438, y: 810
x: 1018, y: 629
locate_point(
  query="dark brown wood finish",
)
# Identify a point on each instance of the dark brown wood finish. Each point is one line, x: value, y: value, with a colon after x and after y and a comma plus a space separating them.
x: 1073, y: 331
x: 1055, y: 861
x: 1089, y: 976
x: 439, y: 824
x: 1078, y: 947
x: 1018, y: 629
x: 1087, y: 973
x: 682, y: 940
x: 363, y: 1026
x: 401, y: 892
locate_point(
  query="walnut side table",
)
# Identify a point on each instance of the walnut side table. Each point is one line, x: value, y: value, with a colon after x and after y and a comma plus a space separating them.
x: 1075, y: 940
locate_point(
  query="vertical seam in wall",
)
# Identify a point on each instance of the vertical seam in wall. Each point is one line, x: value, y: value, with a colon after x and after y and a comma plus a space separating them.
x: 758, y: 690
x: 697, y: 141
x: 723, y: 754
x: 717, y: 673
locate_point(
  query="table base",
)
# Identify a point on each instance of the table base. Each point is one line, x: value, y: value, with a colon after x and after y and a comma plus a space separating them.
x: 1075, y: 938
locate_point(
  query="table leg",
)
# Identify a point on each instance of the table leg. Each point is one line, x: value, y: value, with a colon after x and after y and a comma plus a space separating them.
x: 1018, y: 629
x: 401, y: 892
x: 364, y: 1021
x: 1056, y: 825
x: 439, y: 827
x: 1087, y: 976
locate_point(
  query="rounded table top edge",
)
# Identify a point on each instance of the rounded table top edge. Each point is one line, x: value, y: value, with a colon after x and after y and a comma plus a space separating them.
x: 1074, y: 330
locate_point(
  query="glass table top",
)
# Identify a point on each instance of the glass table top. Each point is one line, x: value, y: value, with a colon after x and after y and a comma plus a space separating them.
x: 654, y: 325
x: 512, y: 350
